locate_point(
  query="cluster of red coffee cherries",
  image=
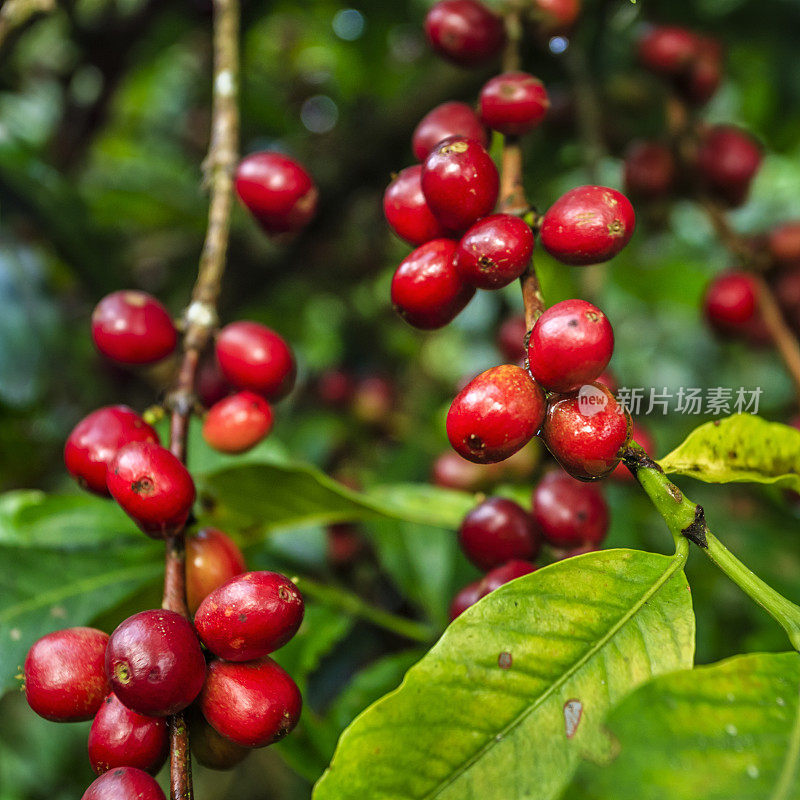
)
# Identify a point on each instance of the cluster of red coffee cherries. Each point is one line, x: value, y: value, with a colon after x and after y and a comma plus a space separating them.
x: 719, y: 162
x: 157, y: 663
x: 502, y: 539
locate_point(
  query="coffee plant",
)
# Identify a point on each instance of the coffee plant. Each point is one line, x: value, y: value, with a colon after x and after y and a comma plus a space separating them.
x: 364, y: 490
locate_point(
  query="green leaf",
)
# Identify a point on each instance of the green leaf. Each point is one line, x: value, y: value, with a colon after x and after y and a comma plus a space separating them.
x: 742, y: 448
x: 44, y: 589
x: 730, y: 731
x: 34, y: 519
x: 515, y: 691
x: 260, y: 497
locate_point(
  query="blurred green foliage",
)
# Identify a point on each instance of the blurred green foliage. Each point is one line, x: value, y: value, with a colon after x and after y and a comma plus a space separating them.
x: 103, y: 127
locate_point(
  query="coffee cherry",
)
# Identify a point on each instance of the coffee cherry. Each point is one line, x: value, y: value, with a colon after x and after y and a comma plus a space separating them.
x: 152, y: 486
x: 513, y: 103
x: 64, y: 676
x: 496, y: 531
x: 374, y: 400
x: 460, y: 182
x: 237, y: 423
x: 727, y: 161
x: 154, y: 663
x: 277, y: 191
x: 212, y: 558
x: 556, y: 16
x: 587, y: 225
x: 496, y: 414
x: 406, y: 209
x: 609, y: 380
x: 254, y: 703
x: 731, y: 301
x: 465, y: 598
x: 495, y: 251
x: 447, y: 119
x: 210, y: 383
x: 698, y: 84
x: 252, y: 356
x: 511, y: 338
x: 427, y: 290
x: 212, y: 749
x: 344, y: 544
x: 335, y: 388
x: 586, y: 431
x: 668, y: 50
x: 451, y: 471
x: 783, y: 244
x: 569, y: 513
x: 133, y: 328
x: 250, y: 616
x: 571, y: 344
x: 95, y: 440
x: 124, y: 783
x: 503, y: 574
x: 464, y: 32
x: 120, y: 737
x: 642, y: 437
x: 649, y: 170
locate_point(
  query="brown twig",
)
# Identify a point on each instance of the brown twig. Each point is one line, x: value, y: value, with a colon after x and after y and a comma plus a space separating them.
x: 201, y: 320
x: 512, y: 189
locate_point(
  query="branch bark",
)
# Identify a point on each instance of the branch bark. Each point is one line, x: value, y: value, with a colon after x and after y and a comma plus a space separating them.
x: 201, y: 320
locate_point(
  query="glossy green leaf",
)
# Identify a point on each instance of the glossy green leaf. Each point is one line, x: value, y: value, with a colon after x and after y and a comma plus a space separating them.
x: 730, y: 731
x: 515, y: 691
x: 260, y: 497
x: 742, y: 448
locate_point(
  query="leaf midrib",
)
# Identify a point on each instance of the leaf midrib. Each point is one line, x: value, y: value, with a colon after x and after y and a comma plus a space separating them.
x: 677, y: 562
x: 790, y: 764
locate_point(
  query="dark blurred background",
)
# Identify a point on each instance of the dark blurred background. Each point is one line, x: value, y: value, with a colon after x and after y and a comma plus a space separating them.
x: 104, y: 117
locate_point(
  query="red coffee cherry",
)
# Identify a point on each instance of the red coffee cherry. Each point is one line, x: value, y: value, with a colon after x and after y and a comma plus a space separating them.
x: 586, y: 431
x: 133, y: 328
x: 406, y: 209
x: 64, y: 676
x: 569, y: 513
x: 374, y: 400
x: 731, y: 301
x: 643, y: 437
x: 513, y: 103
x: 649, y: 170
x: 571, y: 344
x: 210, y: 383
x: 699, y: 83
x: 427, y: 290
x: 152, y: 486
x: 464, y: 32
x: 511, y: 338
x: 120, y: 737
x: 727, y: 161
x: 124, y: 783
x: 556, y: 16
x: 783, y: 244
x: 154, y: 663
x: 212, y: 558
x: 254, y: 703
x: 252, y: 356
x: 668, y: 50
x: 460, y: 182
x: 277, y: 191
x: 344, y: 544
x: 505, y: 573
x: 212, y: 749
x: 451, y: 471
x: 496, y: 414
x: 335, y: 388
x: 465, y: 598
x: 250, y: 616
x: 609, y: 380
x: 446, y: 120
x: 498, y: 530
x: 237, y: 423
x: 95, y: 440
x: 495, y: 251
x: 588, y: 225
